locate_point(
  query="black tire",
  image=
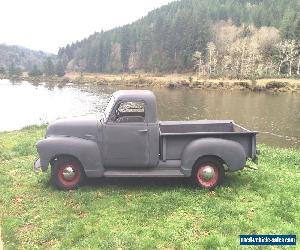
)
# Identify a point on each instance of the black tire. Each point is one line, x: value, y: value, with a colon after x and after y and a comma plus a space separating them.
x: 208, y: 172
x: 67, y: 173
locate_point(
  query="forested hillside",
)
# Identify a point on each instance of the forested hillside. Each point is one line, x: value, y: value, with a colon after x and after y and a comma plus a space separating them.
x: 239, y: 38
x: 15, y: 59
x: 20, y: 58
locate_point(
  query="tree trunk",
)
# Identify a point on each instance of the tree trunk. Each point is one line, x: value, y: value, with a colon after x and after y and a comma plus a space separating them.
x: 290, y: 68
x: 242, y: 61
x: 279, y: 68
x: 209, y: 69
x: 298, y: 67
x: 199, y: 67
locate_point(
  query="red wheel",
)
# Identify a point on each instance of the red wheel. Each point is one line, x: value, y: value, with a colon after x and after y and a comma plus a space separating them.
x: 67, y: 173
x: 208, y: 173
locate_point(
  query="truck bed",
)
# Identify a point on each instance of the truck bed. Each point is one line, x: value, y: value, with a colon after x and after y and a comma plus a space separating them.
x: 202, y: 126
x: 175, y: 135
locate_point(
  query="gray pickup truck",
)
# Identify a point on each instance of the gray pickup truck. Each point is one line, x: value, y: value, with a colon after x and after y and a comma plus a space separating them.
x: 127, y: 140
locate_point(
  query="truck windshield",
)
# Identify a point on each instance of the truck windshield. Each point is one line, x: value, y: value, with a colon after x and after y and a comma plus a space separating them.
x: 109, y: 107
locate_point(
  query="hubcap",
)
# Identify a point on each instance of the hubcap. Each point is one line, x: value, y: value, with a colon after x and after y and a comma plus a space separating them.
x: 208, y: 173
x: 69, y: 173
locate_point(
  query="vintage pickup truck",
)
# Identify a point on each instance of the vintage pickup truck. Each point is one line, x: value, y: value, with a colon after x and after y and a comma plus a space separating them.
x: 127, y: 140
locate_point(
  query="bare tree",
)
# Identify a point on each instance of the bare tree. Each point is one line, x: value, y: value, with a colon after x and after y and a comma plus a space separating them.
x: 116, y: 56
x: 234, y: 53
x: 225, y: 34
x: 237, y: 55
x: 254, y: 59
x: 199, y: 63
x: 211, y: 57
x: 133, y: 60
x: 287, y: 54
x: 266, y: 39
x: 298, y: 66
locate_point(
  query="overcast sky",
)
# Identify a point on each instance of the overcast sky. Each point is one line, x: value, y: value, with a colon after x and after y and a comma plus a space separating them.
x: 49, y: 24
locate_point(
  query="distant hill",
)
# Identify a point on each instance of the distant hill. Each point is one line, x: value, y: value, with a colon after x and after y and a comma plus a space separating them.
x: 167, y: 38
x: 21, y: 57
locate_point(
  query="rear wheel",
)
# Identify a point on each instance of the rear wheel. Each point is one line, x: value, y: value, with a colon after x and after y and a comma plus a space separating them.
x: 208, y: 173
x: 67, y: 173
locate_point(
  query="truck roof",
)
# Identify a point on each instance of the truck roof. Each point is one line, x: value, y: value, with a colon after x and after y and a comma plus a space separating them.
x: 145, y: 95
x: 135, y: 94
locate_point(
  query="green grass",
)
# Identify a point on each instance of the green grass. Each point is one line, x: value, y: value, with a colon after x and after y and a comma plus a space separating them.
x: 143, y: 214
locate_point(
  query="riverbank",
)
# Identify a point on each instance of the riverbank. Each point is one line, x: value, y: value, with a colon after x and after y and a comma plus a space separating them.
x: 169, y: 81
x: 139, y: 214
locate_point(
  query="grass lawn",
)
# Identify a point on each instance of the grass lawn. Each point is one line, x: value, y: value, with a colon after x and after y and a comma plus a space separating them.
x: 143, y: 213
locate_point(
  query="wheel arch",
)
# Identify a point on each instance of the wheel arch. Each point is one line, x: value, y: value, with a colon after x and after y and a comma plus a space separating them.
x: 85, y: 151
x: 228, y: 152
x: 208, y: 157
x: 58, y: 156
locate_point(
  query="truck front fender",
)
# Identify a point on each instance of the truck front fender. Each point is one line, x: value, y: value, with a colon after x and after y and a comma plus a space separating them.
x: 86, y: 151
x: 231, y: 152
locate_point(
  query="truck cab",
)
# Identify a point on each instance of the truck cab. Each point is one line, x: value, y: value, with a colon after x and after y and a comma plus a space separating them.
x: 130, y: 130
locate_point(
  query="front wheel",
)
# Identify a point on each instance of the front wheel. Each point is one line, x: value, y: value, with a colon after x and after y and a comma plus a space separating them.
x: 208, y: 173
x: 67, y: 173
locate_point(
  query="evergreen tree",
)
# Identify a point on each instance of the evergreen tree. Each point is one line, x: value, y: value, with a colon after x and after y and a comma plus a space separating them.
x: 35, y: 71
x: 49, y: 67
x: 59, y: 69
x: 90, y: 58
x: 125, y: 48
x: 167, y: 37
x: 12, y: 69
x: 2, y: 70
x: 22, y: 57
x: 287, y: 25
x: 100, y: 57
x: 18, y: 71
x: 297, y: 28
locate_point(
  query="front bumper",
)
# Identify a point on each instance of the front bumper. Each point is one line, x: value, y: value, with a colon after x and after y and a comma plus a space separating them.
x: 37, y: 166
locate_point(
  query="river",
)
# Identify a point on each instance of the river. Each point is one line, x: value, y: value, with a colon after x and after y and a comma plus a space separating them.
x: 275, y: 115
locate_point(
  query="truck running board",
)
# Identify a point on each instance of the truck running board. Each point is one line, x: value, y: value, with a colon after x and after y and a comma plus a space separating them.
x: 144, y: 173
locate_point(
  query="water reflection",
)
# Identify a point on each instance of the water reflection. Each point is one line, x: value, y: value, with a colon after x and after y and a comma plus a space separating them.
x: 23, y: 104
x: 276, y: 115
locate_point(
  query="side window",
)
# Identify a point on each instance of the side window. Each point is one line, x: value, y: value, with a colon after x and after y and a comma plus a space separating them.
x: 128, y: 112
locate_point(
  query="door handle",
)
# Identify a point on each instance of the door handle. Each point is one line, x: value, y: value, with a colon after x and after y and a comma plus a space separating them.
x: 143, y: 130
x: 90, y: 137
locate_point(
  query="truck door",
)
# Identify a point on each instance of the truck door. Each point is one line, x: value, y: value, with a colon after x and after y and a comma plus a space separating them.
x: 125, y: 136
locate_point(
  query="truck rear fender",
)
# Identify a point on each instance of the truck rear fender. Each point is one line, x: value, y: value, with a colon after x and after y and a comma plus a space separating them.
x: 231, y: 152
x: 86, y: 151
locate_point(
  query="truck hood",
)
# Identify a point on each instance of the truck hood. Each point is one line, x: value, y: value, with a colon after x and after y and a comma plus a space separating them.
x: 82, y: 127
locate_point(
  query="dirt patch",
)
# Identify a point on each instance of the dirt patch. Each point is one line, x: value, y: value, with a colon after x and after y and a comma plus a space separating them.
x: 25, y: 228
